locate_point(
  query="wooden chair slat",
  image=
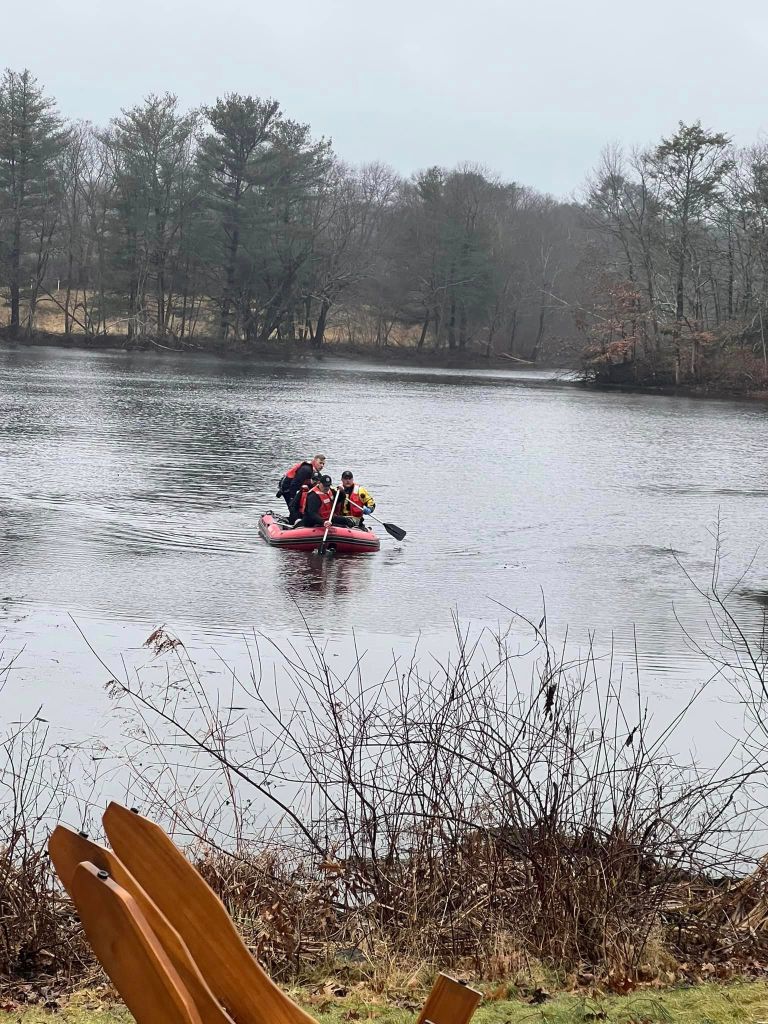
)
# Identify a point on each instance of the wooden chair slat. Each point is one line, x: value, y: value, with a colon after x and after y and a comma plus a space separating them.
x: 194, y: 910
x: 69, y: 848
x: 132, y: 956
x: 449, y: 1002
x: 168, y: 943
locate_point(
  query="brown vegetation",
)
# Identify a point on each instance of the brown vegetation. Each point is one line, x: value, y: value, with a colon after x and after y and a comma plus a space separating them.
x: 679, y: 293
x: 494, y: 814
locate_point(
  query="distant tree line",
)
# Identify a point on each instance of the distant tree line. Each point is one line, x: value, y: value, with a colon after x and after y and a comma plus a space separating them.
x: 234, y: 222
x: 681, y: 233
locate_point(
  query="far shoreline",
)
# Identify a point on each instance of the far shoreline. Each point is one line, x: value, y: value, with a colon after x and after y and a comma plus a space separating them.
x: 288, y: 351
x: 303, y: 353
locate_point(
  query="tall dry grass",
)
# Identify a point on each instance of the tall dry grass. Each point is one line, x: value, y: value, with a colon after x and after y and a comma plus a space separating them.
x: 505, y: 809
x: 492, y: 809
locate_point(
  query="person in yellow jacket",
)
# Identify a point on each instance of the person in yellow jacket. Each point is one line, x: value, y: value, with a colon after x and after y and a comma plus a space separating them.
x: 354, y: 502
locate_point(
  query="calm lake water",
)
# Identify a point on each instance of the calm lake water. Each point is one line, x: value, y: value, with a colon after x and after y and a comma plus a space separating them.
x: 130, y: 488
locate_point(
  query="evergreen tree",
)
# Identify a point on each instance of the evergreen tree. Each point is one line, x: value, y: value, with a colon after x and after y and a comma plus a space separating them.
x: 152, y: 150
x: 32, y: 138
x: 691, y: 167
x: 261, y: 178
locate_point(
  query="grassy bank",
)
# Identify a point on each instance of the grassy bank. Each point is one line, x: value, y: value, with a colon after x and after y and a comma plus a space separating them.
x: 394, y: 353
x: 708, y: 1003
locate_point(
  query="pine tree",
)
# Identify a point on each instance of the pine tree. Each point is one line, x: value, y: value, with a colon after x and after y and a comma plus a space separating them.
x: 32, y: 136
x: 261, y: 174
x: 691, y: 167
x: 152, y: 151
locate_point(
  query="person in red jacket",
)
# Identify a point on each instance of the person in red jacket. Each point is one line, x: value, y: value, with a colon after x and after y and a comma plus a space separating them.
x: 301, y: 474
x: 318, y: 505
x: 299, y: 503
x: 321, y: 502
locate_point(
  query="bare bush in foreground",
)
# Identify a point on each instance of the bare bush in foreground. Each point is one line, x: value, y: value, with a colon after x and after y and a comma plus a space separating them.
x: 497, y: 806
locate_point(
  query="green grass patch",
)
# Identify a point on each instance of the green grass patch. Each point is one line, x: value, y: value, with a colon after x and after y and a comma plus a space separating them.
x: 708, y: 1003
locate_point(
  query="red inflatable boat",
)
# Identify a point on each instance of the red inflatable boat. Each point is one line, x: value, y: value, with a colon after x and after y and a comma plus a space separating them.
x: 279, y: 534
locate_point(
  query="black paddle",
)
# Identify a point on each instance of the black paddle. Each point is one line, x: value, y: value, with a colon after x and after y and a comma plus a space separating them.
x: 392, y: 530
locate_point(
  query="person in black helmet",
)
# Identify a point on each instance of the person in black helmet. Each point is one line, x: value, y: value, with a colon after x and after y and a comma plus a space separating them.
x: 317, y: 508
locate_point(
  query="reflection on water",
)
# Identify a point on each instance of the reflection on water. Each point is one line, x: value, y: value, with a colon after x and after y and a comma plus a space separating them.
x: 130, y: 488
x: 338, y: 579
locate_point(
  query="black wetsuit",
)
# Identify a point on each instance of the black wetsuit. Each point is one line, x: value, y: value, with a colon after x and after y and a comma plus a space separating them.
x: 305, y: 474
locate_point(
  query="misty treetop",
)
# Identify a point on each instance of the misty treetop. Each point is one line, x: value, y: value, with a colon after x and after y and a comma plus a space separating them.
x: 235, y: 222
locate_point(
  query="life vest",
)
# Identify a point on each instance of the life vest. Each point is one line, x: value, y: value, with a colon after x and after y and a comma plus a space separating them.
x: 326, y: 504
x: 352, y: 503
x: 355, y: 501
x: 285, y: 483
x: 301, y: 499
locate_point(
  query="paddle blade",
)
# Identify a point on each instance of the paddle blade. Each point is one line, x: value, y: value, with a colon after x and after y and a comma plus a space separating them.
x: 394, y: 531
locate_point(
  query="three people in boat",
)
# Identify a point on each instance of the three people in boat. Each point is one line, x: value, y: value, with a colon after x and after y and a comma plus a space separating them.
x: 313, y: 505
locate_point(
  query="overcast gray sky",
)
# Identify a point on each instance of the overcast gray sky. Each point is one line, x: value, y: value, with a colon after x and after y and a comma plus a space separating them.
x: 533, y: 90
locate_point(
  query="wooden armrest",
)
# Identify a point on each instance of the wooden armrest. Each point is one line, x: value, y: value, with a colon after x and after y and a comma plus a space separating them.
x: 132, y: 956
x: 194, y: 910
x: 68, y: 849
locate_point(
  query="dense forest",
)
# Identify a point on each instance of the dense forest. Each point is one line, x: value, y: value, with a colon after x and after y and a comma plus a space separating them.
x: 233, y: 222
